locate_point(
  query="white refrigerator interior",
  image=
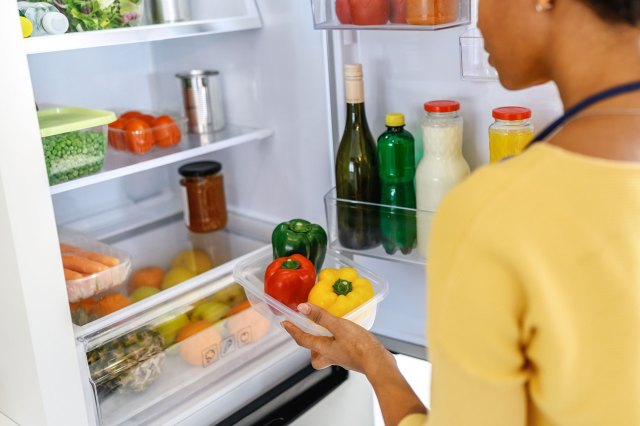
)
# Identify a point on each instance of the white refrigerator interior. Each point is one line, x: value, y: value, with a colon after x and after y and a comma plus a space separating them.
x: 282, y: 90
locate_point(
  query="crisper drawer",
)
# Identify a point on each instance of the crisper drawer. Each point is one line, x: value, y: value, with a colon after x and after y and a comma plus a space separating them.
x: 169, y: 355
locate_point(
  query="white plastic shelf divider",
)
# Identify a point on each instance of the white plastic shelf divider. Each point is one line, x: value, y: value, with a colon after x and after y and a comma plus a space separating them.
x: 118, y: 164
x: 143, y: 33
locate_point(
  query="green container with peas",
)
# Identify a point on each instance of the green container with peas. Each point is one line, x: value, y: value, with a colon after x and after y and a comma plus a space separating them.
x: 74, y: 141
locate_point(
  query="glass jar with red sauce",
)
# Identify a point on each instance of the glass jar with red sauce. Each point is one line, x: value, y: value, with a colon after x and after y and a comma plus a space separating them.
x: 205, y: 208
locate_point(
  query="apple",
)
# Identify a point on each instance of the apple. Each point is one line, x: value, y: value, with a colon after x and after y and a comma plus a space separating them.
x: 209, y: 311
x: 170, y: 325
x: 142, y: 293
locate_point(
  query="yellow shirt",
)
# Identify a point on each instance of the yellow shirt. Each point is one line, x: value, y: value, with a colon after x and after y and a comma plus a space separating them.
x: 534, y: 295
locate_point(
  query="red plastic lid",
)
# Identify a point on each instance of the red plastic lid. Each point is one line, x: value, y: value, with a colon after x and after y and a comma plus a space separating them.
x: 442, y: 106
x: 512, y: 113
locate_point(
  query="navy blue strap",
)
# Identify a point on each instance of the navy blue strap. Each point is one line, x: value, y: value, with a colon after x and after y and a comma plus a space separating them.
x: 578, y: 108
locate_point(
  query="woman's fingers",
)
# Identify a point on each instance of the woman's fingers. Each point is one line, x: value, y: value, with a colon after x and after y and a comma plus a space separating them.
x: 320, y: 317
x: 306, y: 340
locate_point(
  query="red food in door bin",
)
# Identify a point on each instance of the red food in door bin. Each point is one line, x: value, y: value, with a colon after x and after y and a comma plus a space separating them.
x: 398, y: 12
x: 343, y: 10
x: 370, y: 12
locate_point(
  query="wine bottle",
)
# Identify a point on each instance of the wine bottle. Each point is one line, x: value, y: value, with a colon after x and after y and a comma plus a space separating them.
x: 357, y: 171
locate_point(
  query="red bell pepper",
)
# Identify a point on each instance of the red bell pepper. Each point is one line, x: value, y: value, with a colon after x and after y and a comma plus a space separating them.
x: 290, y: 280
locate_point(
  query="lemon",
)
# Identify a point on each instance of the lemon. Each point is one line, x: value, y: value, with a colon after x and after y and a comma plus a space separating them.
x: 193, y: 260
x: 176, y: 276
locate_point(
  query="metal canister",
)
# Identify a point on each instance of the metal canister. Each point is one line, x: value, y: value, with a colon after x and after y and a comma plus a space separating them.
x: 202, y: 94
x: 170, y: 11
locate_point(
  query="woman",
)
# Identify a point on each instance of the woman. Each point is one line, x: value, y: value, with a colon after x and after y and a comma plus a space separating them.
x: 534, y: 302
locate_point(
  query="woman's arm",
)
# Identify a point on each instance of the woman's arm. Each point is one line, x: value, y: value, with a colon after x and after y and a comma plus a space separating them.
x: 354, y: 348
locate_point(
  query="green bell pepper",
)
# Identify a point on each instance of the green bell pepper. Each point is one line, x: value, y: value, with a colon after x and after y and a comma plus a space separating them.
x: 299, y: 236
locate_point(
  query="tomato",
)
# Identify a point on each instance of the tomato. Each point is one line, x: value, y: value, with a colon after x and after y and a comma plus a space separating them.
x: 148, y: 118
x: 139, y: 136
x: 116, y: 134
x: 165, y: 131
x: 370, y: 12
x: 131, y: 114
x: 343, y: 11
x: 398, y: 12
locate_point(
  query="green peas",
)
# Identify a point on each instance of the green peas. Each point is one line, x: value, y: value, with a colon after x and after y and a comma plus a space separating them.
x: 75, y: 154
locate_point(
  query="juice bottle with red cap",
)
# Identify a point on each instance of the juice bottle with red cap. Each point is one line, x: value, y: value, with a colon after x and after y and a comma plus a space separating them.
x: 510, y: 133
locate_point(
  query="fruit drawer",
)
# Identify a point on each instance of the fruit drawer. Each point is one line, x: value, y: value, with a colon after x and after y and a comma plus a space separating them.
x: 164, y: 355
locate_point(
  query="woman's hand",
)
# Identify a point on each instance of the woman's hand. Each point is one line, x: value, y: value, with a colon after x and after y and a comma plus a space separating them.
x: 354, y: 348
x: 351, y: 346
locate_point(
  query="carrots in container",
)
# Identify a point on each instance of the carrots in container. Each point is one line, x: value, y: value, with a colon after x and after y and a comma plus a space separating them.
x: 82, y: 264
x: 72, y: 275
x: 97, y: 257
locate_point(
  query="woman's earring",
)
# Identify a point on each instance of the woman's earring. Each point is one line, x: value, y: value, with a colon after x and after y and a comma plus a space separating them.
x: 544, y: 5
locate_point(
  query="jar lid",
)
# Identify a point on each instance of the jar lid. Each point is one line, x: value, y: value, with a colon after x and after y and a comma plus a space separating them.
x: 200, y: 169
x: 394, y: 120
x: 442, y: 106
x: 512, y: 113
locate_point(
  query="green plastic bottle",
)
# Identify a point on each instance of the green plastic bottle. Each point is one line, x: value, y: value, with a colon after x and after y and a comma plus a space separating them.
x: 396, y: 162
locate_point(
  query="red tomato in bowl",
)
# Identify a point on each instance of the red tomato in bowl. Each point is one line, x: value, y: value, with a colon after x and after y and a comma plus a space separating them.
x: 116, y: 134
x: 139, y: 137
x: 148, y: 118
x: 370, y: 12
x: 343, y: 11
x: 165, y: 131
x: 131, y: 114
x: 398, y: 12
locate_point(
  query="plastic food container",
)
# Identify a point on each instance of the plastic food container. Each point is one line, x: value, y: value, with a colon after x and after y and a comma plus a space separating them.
x: 103, y: 15
x: 140, y: 140
x: 74, y: 141
x: 199, y: 340
x: 250, y: 274
x: 88, y: 286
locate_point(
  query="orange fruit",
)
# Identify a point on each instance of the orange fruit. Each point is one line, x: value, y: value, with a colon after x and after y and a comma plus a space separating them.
x: 109, y: 304
x: 86, y: 305
x: 199, y: 343
x: 248, y: 326
x: 151, y: 276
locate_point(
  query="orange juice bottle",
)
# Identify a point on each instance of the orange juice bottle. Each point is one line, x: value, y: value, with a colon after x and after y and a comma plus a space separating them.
x: 511, y: 132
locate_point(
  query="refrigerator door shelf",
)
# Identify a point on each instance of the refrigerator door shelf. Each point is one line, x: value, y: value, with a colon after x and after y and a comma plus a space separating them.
x: 214, y: 19
x: 168, y: 353
x: 325, y: 17
x: 474, y: 60
x: 397, y: 219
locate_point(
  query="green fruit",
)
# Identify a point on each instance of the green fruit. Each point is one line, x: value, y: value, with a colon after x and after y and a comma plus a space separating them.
x: 143, y: 293
x: 209, y: 311
x: 231, y: 295
x: 176, y: 276
x: 169, y: 327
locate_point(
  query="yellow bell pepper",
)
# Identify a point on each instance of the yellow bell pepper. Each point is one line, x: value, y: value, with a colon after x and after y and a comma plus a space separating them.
x: 340, y: 291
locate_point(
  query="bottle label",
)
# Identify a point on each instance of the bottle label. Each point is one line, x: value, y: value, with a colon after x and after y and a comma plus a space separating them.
x: 185, y: 202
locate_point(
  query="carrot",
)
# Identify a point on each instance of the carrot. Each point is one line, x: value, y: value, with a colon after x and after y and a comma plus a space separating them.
x: 239, y: 308
x: 72, y: 275
x: 96, y: 257
x: 81, y: 264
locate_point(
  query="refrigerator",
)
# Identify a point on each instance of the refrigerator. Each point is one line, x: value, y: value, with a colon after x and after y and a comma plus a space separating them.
x: 280, y: 64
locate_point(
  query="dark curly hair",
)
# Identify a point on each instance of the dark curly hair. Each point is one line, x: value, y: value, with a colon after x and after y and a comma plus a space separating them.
x: 620, y: 11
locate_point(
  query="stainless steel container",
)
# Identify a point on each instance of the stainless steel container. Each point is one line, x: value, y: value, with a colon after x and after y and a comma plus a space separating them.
x: 170, y: 10
x: 202, y: 94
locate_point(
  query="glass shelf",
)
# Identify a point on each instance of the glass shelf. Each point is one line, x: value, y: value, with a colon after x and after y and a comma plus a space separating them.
x: 386, y: 232
x: 118, y: 163
x: 326, y: 18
